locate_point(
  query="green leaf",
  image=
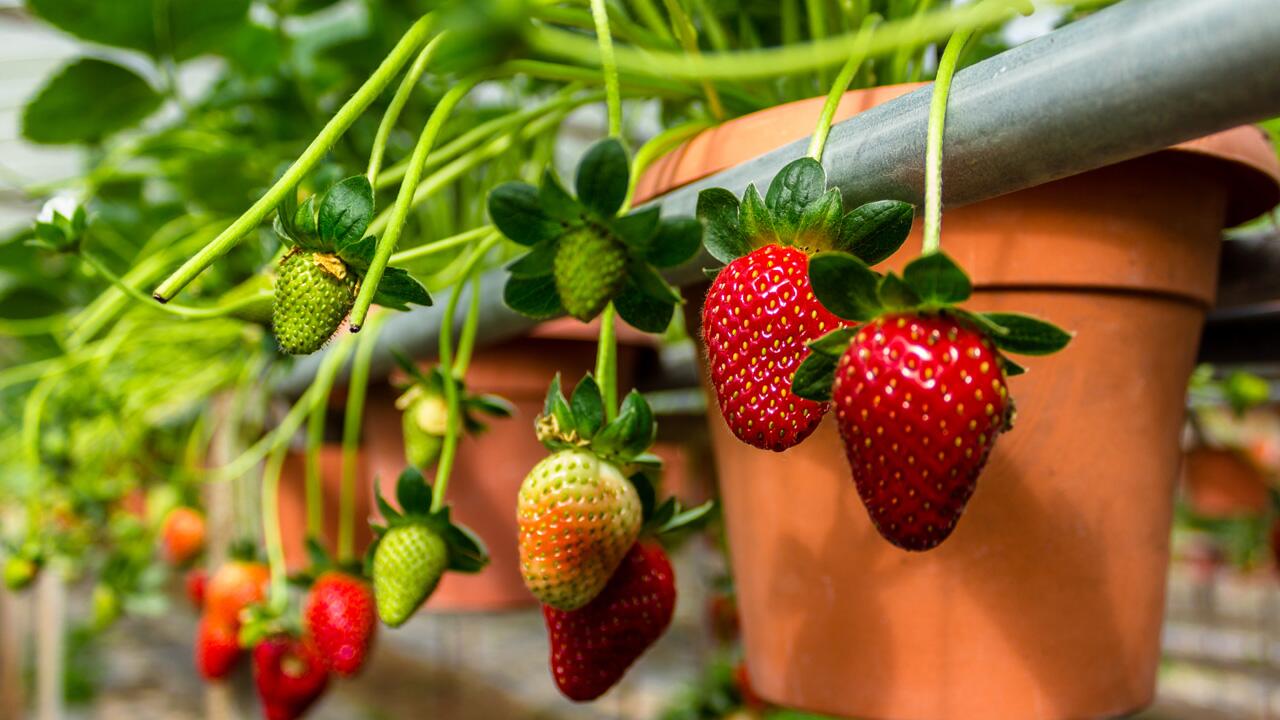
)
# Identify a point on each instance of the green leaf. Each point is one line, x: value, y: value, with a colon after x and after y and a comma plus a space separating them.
x: 814, y: 377
x: 678, y: 240
x: 876, y: 230
x: 834, y: 343
x: 648, y: 495
x: 896, y: 294
x: 718, y: 212
x: 413, y: 493
x: 359, y: 255
x: 648, y: 281
x: 556, y: 201
x: 820, y: 222
x: 553, y: 393
x: 1028, y: 335
x: 490, y: 404
x: 1011, y: 368
x: 800, y: 183
x: 845, y: 285
x: 689, y: 520
x: 538, y: 262
x: 345, y: 212
x: 533, y: 297
x: 756, y: 222
x: 632, y: 432
x: 398, y: 289
x: 192, y: 26
x: 636, y: 229
x: 388, y: 513
x: 467, y: 552
x: 516, y: 211
x: 603, y: 176
x: 641, y: 311
x: 587, y: 406
x: 304, y: 220
x: 937, y: 279
x: 286, y: 211
x: 86, y: 101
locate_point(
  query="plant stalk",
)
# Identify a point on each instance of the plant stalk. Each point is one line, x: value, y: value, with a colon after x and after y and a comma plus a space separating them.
x: 933, y: 150
x: 357, y: 389
x: 396, y: 106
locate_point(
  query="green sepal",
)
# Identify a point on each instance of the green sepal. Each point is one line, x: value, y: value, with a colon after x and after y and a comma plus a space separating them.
x: 411, y: 368
x: 797, y: 185
x: 304, y: 225
x: 672, y: 518
x: 286, y: 210
x: 413, y: 493
x: 636, y: 230
x: 556, y: 200
x: 895, y: 294
x: 755, y: 219
x: 834, y: 343
x: 516, y: 211
x: 648, y: 281
x: 603, y: 177
x: 631, y: 432
x: 587, y: 406
x: 814, y: 377
x: 389, y: 514
x: 490, y: 404
x: 983, y: 323
x: 538, y: 262
x: 718, y: 211
x: 535, y: 297
x: 398, y: 289
x: 1010, y: 367
x: 345, y: 212
x: 876, y: 230
x: 555, y: 406
x: 820, y: 222
x: 648, y: 493
x: 1027, y: 335
x: 641, y: 311
x: 677, y: 240
x: 359, y: 255
x: 467, y: 552
x: 938, y: 280
x: 845, y: 285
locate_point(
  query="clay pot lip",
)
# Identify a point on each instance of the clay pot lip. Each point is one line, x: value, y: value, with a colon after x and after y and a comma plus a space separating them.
x: 1246, y: 151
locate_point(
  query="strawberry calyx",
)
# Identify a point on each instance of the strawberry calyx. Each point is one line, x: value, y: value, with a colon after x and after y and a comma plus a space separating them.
x: 430, y: 385
x: 466, y: 551
x: 260, y: 621
x: 319, y: 562
x: 800, y: 211
x: 582, y: 253
x: 579, y: 422
x: 332, y: 230
x: 930, y: 285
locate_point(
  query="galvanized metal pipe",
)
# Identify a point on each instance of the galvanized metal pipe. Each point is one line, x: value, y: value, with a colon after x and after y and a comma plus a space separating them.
x: 1129, y: 80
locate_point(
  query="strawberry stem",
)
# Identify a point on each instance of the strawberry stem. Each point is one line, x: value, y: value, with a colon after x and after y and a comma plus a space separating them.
x: 607, y: 363
x: 453, y: 430
x: 467, y: 341
x: 933, y: 150
x: 841, y: 86
x: 404, y: 200
x: 279, y: 596
x: 398, y: 101
x: 613, y: 97
x: 357, y: 388
x: 310, y: 157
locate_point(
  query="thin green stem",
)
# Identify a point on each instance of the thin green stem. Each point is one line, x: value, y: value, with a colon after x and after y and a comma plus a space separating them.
x: 613, y: 97
x: 607, y: 363
x: 404, y: 200
x: 271, y: 535
x: 441, y: 245
x: 470, y: 328
x: 315, y: 482
x: 357, y: 389
x: 183, y: 311
x: 314, y: 153
x: 453, y: 431
x: 657, y: 146
x: 688, y: 35
x: 716, y: 34
x: 933, y: 150
x: 650, y: 16
x: 816, y: 12
x: 396, y: 106
x: 838, y: 89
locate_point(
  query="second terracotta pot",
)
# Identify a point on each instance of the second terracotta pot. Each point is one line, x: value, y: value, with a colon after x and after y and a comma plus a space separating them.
x: 1221, y: 483
x: 1046, y: 603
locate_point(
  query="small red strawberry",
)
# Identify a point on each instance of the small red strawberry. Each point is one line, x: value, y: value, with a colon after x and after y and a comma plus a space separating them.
x: 341, y: 619
x: 759, y: 316
x: 182, y: 535
x: 217, y: 648
x: 592, y: 647
x: 195, y: 581
x: 234, y: 586
x: 920, y: 400
x: 290, y: 676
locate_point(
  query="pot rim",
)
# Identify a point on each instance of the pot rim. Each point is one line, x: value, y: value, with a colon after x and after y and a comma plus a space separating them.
x: 1246, y: 151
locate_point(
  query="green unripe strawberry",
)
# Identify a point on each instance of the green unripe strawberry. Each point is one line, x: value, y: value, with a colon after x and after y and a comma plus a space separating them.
x: 19, y: 572
x: 425, y: 422
x: 590, y: 268
x: 407, y: 565
x: 314, y: 292
x: 578, y: 517
x: 106, y: 607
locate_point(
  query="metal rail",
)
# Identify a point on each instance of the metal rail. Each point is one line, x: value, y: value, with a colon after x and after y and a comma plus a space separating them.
x: 1129, y: 80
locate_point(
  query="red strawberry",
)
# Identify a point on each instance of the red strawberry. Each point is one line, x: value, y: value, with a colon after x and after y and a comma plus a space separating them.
x: 182, y: 535
x: 234, y: 586
x: 217, y: 648
x: 290, y: 676
x: 340, y: 617
x: 196, y: 580
x: 919, y: 401
x: 592, y: 647
x: 759, y: 316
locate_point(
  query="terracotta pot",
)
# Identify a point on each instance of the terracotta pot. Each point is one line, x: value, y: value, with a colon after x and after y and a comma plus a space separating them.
x: 293, y: 503
x: 1221, y: 483
x: 1047, y: 600
x: 489, y: 468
